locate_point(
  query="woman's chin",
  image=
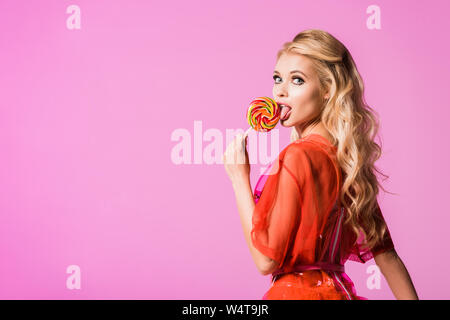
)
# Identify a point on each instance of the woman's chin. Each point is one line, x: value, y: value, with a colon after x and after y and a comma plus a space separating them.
x: 286, y: 123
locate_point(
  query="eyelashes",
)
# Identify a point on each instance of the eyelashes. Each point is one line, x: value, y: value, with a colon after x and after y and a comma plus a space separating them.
x: 293, y: 78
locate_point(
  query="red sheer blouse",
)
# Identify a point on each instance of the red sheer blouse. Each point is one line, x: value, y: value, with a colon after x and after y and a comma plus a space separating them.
x: 297, y: 217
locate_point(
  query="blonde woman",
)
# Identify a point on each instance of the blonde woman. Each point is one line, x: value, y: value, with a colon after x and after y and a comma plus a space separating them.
x: 317, y: 205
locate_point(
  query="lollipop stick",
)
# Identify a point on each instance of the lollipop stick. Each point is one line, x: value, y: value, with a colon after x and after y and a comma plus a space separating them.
x: 248, y: 130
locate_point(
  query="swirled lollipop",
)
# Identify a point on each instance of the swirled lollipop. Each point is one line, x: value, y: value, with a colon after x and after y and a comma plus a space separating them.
x: 263, y: 114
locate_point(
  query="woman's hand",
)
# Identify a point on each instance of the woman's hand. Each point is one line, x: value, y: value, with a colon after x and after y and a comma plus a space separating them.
x: 235, y: 159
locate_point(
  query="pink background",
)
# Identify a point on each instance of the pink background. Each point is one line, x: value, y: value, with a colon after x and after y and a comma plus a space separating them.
x: 86, y: 121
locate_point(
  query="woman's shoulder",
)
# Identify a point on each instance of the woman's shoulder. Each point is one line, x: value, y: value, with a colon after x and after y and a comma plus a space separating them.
x: 306, y: 147
x: 304, y: 155
x: 304, y: 159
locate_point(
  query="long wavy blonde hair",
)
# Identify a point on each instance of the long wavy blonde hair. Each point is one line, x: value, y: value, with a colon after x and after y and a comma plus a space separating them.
x: 352, y: 124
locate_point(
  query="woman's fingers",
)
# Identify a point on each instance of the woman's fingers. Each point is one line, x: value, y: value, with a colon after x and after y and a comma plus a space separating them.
x: 240, y: 148
x: 236, y: 151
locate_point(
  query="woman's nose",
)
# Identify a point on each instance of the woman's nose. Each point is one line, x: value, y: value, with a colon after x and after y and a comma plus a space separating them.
x: 280, y: 91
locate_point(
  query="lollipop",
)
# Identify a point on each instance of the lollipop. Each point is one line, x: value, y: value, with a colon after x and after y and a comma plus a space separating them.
x: 263, y: 114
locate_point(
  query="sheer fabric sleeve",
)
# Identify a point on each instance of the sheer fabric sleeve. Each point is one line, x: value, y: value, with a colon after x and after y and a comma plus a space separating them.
x: 276, y: 216
x: 361, y: 253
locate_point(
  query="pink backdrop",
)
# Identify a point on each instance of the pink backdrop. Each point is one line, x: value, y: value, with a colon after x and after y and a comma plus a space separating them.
x: 89, y: 123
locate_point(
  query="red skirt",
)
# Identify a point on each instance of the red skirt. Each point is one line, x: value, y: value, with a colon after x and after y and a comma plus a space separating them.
x: 312, y: 285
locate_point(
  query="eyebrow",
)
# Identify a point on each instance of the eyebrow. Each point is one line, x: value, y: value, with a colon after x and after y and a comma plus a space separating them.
x: 293, y: 71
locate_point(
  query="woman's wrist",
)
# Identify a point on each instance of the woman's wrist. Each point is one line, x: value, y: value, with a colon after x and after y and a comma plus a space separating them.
x: 241, y: 182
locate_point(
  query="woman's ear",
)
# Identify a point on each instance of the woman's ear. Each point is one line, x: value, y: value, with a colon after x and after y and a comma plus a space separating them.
x: 326, y: 93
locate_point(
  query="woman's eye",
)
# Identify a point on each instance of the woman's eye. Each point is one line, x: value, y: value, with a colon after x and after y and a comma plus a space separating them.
x: 300, y: 82
x: 295, y: 78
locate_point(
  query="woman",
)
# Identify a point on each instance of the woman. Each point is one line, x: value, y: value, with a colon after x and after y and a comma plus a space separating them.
x: 317, y: 206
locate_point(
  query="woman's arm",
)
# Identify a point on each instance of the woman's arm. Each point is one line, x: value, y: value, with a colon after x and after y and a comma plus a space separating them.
x: 396, y: 275
x: 237, y: 167
x: 246, y: 205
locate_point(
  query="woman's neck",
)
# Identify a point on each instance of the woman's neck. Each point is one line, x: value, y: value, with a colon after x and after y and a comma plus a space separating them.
x: 317, y: 128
